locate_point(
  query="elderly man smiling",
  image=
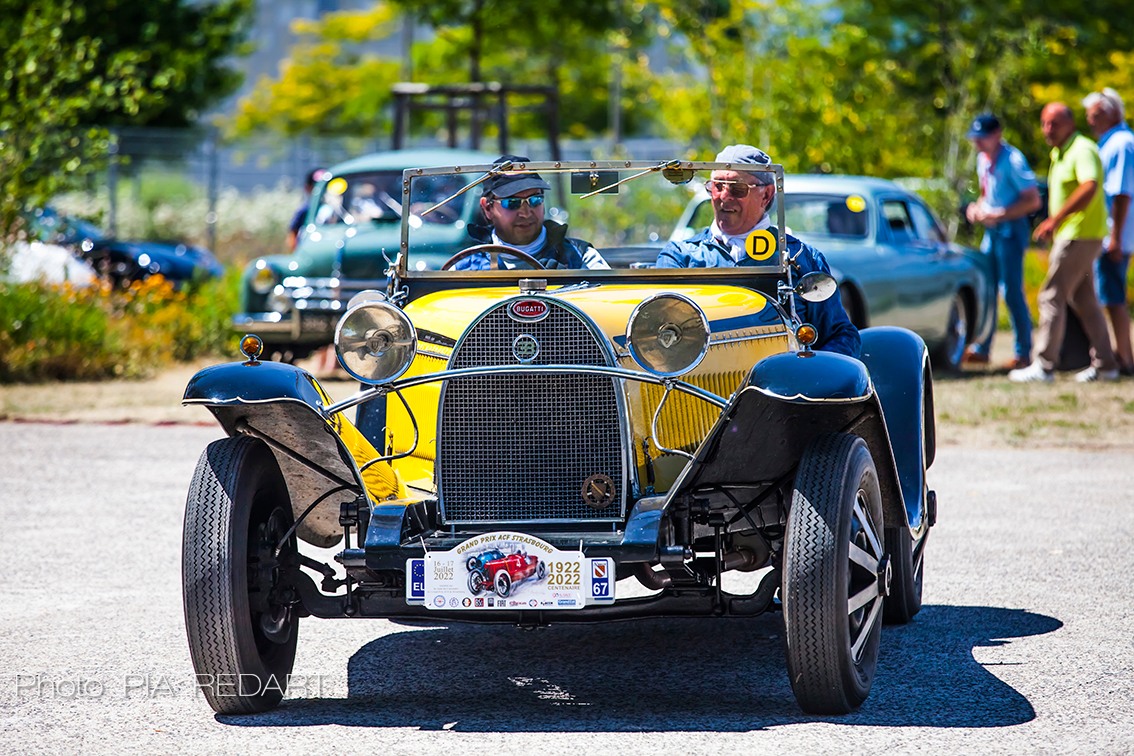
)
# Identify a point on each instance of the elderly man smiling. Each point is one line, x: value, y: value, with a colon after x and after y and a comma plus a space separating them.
x: 740, y: 207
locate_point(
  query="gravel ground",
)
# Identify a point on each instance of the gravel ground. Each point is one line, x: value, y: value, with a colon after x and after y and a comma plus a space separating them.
x: 1024, y: 643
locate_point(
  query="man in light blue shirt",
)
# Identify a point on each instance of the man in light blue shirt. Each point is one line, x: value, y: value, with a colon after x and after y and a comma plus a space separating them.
x: 1008, y: 194
x: 1107, y: 119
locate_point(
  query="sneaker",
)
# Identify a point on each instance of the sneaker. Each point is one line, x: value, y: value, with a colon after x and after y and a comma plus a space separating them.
x: 1017, y: 363
x: 972, y: 357
x: 1092, y: 374
x: 1033, y: 373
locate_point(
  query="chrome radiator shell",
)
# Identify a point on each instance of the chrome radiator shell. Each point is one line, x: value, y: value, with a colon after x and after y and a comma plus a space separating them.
x: 520, y: 449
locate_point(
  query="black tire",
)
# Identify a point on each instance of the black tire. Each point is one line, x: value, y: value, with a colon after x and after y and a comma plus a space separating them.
x: 242, y: 644
x: 958, y: 333
x: 472, y: 564
x: 476, y: 582
x: 833, y: 554
x: 503, y: 584
x: 908, y: 562
x: 907, y: 555
x: 541, y: 571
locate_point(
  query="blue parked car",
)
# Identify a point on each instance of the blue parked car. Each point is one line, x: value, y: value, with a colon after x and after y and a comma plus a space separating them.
x: 890, y: 255
x: 124, y: 261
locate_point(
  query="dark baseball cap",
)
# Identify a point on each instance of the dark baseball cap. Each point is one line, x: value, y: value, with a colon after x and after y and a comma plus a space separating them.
x: 983, y: 125
x: 508, y: 185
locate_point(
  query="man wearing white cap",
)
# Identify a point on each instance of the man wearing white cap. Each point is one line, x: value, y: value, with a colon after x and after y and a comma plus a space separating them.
x: 740, y: 207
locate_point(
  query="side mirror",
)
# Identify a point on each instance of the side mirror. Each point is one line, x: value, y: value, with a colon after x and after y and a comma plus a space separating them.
x: 816, y: 287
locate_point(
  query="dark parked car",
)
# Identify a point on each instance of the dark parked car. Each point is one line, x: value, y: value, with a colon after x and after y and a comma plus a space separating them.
x: 123, y: 261
x: 890, y: 255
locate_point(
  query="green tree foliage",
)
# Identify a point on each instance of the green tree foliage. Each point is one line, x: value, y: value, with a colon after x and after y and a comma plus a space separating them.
x: 956, y: 58
x: 71, y: 68
x: 817, y: 94
x: 329, y: 83
x: 549, y: 32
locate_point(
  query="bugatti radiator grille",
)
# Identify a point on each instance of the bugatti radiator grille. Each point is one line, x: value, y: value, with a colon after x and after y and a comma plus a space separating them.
x: 519, y: 448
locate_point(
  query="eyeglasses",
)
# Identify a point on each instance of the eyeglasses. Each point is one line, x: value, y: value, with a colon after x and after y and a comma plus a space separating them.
x: 735, y: 189
x: 515, y: 203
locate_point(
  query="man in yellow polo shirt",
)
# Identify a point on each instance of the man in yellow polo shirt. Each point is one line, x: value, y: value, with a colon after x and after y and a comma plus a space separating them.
x: 1076, y: 227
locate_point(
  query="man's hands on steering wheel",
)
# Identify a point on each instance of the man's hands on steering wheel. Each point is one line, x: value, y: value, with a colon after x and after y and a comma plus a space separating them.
x: 493, y: 251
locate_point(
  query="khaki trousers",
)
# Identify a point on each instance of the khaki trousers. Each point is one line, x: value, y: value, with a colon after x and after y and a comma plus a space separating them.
x: 1070, y: 283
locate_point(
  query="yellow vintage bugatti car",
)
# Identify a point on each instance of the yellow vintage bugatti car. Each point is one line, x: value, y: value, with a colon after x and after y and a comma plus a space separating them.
x: 537, y: 445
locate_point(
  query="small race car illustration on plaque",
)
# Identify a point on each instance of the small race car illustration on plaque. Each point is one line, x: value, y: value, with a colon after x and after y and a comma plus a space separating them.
x: 502, y: 574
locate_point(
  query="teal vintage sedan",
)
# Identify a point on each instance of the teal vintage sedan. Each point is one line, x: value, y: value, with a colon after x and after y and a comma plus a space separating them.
x: 891, y: 256
x: 351, y: 238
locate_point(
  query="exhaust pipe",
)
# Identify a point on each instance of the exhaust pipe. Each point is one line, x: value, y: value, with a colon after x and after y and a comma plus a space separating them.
x: 656, y: 581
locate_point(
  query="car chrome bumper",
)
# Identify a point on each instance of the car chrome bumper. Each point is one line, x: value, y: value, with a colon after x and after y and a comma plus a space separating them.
x: 298, y: 327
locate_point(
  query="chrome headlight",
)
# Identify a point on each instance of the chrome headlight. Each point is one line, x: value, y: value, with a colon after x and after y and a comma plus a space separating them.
x: 668, y: 335
x: 265, y: 278
x: 375, y: 342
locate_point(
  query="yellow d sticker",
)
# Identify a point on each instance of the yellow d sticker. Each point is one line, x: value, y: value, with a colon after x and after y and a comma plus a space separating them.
x: 337, y: 186
x: 856, y: 204
x: 760, y: 245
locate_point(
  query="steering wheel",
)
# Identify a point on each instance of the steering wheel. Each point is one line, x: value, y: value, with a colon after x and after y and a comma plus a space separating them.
x: 493, y: 251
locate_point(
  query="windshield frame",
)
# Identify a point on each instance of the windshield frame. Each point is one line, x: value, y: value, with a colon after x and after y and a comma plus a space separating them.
x: 624, y: 168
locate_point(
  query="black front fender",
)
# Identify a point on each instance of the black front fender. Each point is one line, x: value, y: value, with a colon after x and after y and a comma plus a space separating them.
x: 899, y: 367
x: 787, y: 401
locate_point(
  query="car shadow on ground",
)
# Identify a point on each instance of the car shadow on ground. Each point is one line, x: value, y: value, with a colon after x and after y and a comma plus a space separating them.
x: 678, y: 675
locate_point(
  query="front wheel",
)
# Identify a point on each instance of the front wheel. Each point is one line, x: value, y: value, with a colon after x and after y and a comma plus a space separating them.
x: 476, y: 582
x: 242, y: 635
x: 835, y: 575
x: 503, y: 584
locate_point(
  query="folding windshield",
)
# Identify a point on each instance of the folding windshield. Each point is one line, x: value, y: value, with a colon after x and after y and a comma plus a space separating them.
x: 617, y: 216
x: 376, y: 197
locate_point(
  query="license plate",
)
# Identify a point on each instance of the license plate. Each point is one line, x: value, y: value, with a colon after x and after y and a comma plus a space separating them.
x: 317, y: 321
x: 508, y: 571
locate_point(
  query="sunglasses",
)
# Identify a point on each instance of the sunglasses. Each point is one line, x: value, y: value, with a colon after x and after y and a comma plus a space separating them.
x: 515, y: 203
x: 735, y: 189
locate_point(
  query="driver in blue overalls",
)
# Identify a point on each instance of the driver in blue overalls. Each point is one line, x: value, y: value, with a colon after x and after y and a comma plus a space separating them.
x: 513, y: 205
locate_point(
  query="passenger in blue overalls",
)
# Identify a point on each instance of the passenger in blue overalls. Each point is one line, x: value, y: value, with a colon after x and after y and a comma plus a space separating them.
x: 740, y: 207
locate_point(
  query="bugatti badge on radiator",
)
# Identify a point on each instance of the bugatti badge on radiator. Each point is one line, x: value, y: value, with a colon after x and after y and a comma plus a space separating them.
x: 525, y: 348
x: 598, y: 491
x: 528, y: 310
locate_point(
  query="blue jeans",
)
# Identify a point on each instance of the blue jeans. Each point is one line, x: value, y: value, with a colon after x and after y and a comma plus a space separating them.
x: 1006, y: 245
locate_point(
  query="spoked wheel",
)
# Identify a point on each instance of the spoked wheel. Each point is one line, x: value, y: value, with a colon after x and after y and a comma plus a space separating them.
x: 835, y: 575
x: 503, y: 584
x: 242, y: 634
x: 476, y: 582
